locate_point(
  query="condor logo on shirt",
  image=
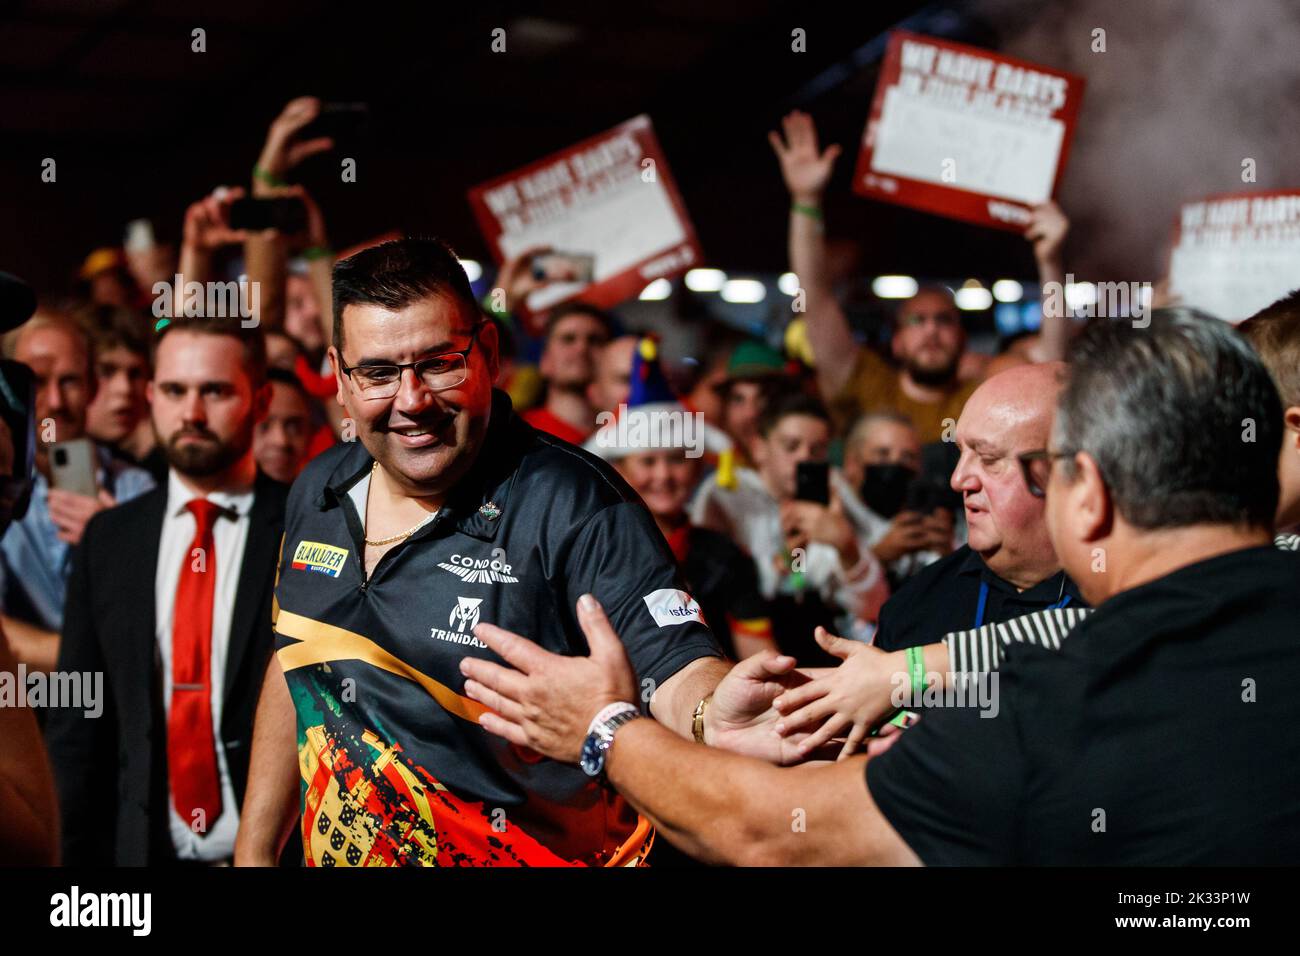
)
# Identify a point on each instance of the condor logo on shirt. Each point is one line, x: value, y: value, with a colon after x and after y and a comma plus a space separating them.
x: 670, y: 606
x: 321, y: 558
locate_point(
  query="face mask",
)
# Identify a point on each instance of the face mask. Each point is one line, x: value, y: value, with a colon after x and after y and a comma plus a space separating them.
x: 884, y: 488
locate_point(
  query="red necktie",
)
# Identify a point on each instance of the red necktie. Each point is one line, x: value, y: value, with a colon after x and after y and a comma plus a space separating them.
x: 191, y: 747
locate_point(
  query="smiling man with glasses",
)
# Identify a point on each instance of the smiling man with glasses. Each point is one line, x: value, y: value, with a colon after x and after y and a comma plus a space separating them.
x: 448, y: 511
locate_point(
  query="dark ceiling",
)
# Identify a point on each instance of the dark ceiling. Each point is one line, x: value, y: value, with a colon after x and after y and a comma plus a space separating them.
x: 140, y: 125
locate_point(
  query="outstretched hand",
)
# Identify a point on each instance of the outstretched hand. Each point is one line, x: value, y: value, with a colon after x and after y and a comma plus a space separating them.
x: 1046, y: 232
x: 547, y: 701
x: 855, y: 696
x: 282, y: 152
x: 805, y: 167
x: 740, y: 717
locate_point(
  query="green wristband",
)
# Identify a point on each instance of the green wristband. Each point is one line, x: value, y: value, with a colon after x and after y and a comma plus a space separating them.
x: 901, y: 719
x: 813, y: 211
x: 312, y: 253
x: 267, y: 177
x: 916, y: 666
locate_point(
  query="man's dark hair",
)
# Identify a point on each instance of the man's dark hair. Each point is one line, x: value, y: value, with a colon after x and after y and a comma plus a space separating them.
x: 395, y: 274
x: 787, y: 403
x: 1274, y: 331
x: 250, y: 339
x: 567, y: 309
x: 285, y: 377
x: 116, y: 327
x: 1181, y: 417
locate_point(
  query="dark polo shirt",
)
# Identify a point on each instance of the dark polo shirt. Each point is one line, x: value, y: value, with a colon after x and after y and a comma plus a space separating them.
x: 1165, y: 731
x: 946, y: 597
x: 396, y: 769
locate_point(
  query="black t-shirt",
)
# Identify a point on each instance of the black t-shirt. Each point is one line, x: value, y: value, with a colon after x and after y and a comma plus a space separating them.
x: 945, y: 597
x: 1165, y: 731
x: 395, y: 766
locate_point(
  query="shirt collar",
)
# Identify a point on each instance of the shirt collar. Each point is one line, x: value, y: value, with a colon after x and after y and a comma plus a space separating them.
x: 476, y: 504
x: 1048, y: 588
x: 236, y: 500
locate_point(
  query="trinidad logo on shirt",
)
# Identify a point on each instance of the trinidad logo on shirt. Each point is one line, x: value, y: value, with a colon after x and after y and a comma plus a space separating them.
x: 493, y: 570
x: 464, y: 616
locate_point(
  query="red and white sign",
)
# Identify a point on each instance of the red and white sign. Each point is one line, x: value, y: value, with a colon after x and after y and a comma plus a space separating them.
x: 965, y: 133
x: 1235, y: 253
x: 611, y: 197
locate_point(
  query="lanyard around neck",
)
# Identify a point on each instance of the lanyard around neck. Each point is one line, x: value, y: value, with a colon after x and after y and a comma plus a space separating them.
x: 984, y: 599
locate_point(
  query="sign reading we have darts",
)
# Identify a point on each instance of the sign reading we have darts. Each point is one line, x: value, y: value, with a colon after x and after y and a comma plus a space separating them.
x: 1235, y: 253
x: 966, y: 133
x: 610, y: 197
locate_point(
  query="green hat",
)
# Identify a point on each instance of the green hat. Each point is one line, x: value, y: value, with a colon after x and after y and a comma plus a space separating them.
x: 753, y: 359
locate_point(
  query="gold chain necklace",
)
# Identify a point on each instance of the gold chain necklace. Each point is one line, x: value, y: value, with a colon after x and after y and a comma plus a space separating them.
x: 397, y: 537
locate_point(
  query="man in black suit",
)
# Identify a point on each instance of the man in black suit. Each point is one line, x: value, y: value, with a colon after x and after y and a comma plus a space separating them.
x: 170, y: 597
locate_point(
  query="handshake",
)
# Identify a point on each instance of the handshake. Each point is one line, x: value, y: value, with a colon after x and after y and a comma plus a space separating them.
x: 763, y: 707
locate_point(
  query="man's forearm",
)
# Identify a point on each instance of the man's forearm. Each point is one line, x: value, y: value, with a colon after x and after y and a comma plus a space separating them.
x: 28, y: 816
x: 1054, y: 336
x: 723, y: 808
x: 271, y: 800
x: 321, y: 272
x: 673, y: 704
x: 266, y: 260
x: 833, y: 345
x: 34, y: 646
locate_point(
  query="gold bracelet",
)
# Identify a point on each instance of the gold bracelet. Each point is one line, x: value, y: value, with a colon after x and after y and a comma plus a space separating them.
x: 697, y: 723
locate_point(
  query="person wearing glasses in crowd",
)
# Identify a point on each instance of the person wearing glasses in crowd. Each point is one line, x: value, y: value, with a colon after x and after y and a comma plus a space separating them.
x: 1007, y: 570
x: 447, y: 512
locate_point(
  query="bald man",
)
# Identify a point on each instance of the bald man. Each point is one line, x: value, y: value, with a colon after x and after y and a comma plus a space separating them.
x: 1008, y: 568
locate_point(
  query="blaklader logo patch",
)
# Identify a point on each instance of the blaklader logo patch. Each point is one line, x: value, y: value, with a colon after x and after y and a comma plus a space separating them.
x: 669, y: 606
x: 321, y: 558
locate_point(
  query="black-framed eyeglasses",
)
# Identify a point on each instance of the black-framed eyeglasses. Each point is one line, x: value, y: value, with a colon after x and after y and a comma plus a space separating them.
x: 1037, y: 469
x: 438, y: 372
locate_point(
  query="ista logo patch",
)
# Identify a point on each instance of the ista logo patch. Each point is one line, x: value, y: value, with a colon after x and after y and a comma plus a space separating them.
x: 321, y: 558
x: 670, y: 606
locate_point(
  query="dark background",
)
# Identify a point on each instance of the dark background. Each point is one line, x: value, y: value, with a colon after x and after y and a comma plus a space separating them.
x: 140, y: 126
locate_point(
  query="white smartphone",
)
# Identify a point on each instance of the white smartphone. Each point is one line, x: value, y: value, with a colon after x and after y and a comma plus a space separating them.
x: 72, y: 466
